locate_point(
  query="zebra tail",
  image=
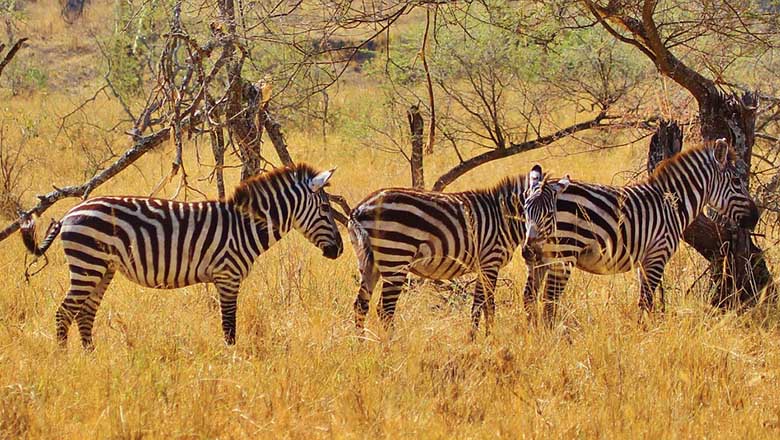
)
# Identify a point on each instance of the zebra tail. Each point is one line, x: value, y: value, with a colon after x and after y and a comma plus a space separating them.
x: 27, y: 228
x: 365, y: 255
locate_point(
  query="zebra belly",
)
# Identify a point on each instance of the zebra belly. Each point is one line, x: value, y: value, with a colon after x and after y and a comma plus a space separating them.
x: 439, y: 268
x: 599, y: 262
x: 90, y: 249
x: 167, y: 276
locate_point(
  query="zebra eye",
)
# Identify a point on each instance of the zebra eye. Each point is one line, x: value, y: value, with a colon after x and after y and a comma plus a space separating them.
x: 736, y: 181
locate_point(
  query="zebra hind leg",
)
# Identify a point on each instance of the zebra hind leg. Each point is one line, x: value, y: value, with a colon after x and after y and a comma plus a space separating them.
x: 84, y: 282
x: 86, y: 316
x: 392, y: 287
x: 368, y: 279
x: 228, y: 303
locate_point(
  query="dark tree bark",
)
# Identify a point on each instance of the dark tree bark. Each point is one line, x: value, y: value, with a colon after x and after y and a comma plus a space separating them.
x: 416, y: 158
x: 242, y: 107
x: 739, y: 272
x: 274, y: 130
x: 665, y: 143
x: 11, y: 53
x: 141, y: 146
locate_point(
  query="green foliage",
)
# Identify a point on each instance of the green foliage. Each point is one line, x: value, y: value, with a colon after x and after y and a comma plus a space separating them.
x: 125, y: 69
x: 590, y: 64
x: 25, y: 76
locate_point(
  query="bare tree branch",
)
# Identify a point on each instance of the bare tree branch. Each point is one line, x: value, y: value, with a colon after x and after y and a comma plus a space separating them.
x: 11, y: 53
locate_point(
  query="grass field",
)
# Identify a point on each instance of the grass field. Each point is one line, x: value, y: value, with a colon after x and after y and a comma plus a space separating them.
x: 298, y: 371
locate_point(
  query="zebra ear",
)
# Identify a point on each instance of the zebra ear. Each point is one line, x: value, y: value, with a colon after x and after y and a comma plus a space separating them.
x: 563, y: 184
x: 320, y: 180
x: 535, y: 176
x: 722, y: 152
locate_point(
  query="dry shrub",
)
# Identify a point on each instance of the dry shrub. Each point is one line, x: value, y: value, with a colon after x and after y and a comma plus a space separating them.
x: 13, y: 167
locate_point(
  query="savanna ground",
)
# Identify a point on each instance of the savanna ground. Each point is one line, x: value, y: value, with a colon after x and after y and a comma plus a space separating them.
x: 298, y: 370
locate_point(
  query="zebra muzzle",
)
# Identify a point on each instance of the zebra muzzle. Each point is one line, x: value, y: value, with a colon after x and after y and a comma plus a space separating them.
x: 529, y: 253
x: 331, y: 251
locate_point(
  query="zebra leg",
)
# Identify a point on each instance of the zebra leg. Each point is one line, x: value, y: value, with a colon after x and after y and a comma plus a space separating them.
x: 490, y: 299
x: 484, y: 301
x: 228, y: 303
x: 650, y: 274
x: 536, y: 276
x: 392, y: 286
x: 86, y: 316
x: 83, y: 283
x: 367, y: 283
x: 557, y: 278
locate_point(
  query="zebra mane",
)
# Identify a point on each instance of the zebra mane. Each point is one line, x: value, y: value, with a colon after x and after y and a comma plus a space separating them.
x: 243, y: 194
x: 667, y: 165
x: 507, y: 183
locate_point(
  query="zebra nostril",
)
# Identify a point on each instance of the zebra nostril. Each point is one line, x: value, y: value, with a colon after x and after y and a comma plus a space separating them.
x: 750, y: 220
x: 331, y: 251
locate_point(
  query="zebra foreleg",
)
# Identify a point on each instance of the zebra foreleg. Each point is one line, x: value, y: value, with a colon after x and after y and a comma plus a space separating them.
x: 228, y: 303
x: 557, y: 278
x: 536, y: 276
x: 484, y: 301
x: 650, y: 275
x: 86, y: 316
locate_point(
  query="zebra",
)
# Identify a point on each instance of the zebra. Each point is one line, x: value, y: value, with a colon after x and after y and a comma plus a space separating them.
x: 607, y: 229
x: 435, y: 235
x: 167, y: 244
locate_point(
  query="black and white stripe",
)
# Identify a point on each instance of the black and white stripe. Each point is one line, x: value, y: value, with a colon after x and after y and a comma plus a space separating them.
x: 606, y: 229
x: 167, y: 244
x: 435, y: 235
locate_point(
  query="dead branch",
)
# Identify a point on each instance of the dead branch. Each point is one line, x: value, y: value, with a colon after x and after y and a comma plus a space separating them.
x: 11, y: 53
x: 500, y: 153
x: 142, y: 145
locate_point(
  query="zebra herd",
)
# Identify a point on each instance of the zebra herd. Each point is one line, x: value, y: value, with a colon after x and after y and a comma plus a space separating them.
x: 559, y: 223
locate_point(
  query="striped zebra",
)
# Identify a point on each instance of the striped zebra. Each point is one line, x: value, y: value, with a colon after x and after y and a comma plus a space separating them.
x: 166, y: 244
x: 435, y: 235
x: 607, y: 230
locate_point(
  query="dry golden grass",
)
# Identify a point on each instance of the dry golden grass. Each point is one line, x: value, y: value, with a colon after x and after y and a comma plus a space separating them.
x: 298, y: 371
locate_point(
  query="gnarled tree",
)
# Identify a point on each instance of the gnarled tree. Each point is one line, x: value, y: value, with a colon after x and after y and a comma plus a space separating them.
x: 658, y: 30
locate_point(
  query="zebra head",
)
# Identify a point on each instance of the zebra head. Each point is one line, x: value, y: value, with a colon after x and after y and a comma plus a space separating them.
x: 729, y: 196
x: 314, y: 218
x: 539, y: 209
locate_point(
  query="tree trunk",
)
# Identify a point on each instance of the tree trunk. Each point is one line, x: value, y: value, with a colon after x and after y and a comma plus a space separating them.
x: 242, y: 107
x: 740, y: 272
x: 274, y: 130
x: 416, y: 159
